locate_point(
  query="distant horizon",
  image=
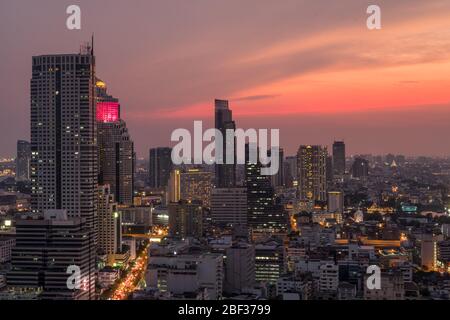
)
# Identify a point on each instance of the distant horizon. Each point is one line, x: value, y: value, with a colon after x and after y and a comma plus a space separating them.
x: 313, y: 70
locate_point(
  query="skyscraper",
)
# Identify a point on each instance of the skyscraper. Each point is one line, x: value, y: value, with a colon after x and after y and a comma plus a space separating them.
x: 160, y: 161
x: 109, y: 224
x: 263, y: 215
x: 339, y: 158
x: 63, y: 175
x: 63, y: 135
x: 196, y: 184
x: 23, y: 160
x: 311, y: 168
x: 225, y: 173
x: 174, y: 186
x: 115, y: 147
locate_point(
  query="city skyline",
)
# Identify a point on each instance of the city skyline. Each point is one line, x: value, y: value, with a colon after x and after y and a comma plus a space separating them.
x: 385, y: 91
x: 80, y: 219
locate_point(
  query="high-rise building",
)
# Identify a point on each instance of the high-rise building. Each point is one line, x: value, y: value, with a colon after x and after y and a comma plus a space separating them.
x: 360, y: 168
x: 63, y: 135
x: 263, y: 215
x: 63, y: 173
x: 115, y: 147
x: 160, y: 167
x: 311, y: 168
x: 46, y: 246
x: 109, y: 224
x: 196, y: 184
x: 23, y: 161
x: 339, y: 158
x: 186, y: 219
x: 174, y: 186
x: 229, y: 207
x: 225, y: 173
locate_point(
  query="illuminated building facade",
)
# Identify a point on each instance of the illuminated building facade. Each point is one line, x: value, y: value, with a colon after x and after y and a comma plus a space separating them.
x: 196, y: 184
x: 108, y: 111
x: 269, y: 262
x: 174, y: 186
x: 108, y: 107
x: 115, y: 147
x: 311, y: 169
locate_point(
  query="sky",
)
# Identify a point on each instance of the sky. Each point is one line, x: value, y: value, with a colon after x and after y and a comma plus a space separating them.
x: 309, y: 68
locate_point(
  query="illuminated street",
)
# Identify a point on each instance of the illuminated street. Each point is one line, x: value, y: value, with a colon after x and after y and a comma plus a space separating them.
x: 129, y: 284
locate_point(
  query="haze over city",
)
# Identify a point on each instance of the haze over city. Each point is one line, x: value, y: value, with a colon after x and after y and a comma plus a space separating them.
x: 310, y: 68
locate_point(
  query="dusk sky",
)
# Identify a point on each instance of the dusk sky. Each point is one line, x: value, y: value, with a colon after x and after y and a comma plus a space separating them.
x: 310, y: 68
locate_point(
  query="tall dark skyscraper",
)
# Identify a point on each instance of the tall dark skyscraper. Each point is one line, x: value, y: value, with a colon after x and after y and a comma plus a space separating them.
x: 311, y: 169
x: 263, y: 215
x: 160, y: 167
x: 115, y: 147
x: 63, y: 175
x: 23, y: 160
x: 225, y: 173
x: 339, y: 158
x: 63, y: 135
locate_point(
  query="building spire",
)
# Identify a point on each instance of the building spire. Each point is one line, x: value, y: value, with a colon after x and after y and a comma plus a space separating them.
x: 92, y: 45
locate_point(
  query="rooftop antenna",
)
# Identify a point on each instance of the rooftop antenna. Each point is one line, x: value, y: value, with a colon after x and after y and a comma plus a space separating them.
x: 92, y: 45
